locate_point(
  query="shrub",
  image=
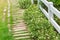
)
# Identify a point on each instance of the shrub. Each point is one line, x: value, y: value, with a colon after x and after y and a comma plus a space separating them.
x: 38, y: 25
x: 24, y: 3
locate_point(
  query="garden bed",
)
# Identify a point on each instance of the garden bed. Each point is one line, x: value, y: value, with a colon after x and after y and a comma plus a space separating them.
x: 38, y: 25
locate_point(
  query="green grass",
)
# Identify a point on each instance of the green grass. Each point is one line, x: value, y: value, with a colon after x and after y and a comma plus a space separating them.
x: 11, y: 18
x: 4, y: 31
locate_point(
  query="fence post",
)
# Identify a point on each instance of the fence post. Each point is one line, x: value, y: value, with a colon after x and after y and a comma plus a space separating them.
x: 49, y: 11
x: 32, y: 1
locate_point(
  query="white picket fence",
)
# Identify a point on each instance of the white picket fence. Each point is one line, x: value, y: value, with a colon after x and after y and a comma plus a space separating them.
x: 51, y: 11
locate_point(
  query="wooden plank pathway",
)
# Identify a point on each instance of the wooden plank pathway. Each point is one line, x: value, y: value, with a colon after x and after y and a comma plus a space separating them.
x: 19, y: 28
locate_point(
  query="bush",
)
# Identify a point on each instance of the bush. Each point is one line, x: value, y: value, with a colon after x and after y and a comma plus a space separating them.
x: 24, y: 3
x: 38, y: 25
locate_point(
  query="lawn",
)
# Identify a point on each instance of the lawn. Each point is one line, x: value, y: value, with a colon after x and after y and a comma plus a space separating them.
x: 4, y: 31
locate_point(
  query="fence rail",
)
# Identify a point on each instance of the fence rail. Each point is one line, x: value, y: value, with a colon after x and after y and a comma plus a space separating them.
x: 51, y: 11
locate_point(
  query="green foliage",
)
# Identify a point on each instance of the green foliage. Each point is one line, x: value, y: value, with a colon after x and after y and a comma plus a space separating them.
x: 57, y: 19
x: 11, y: 17
x: 38, y: 25
x: 24, y: 3
x: 35, y: 1
x: 56, y: 3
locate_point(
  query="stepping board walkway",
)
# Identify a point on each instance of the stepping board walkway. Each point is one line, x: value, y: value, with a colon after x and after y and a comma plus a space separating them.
x: 19, y: 28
